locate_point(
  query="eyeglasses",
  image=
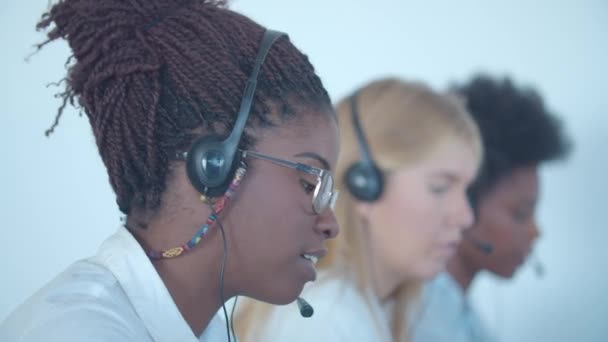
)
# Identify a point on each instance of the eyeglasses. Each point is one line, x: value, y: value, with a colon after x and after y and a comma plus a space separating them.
x: 324, y: 197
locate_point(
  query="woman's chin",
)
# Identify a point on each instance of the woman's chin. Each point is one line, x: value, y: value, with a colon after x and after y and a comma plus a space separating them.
x: 282, y: 295
x: 430, y: 271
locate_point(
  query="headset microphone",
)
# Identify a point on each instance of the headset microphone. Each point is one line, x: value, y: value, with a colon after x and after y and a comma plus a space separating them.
x: 306, y: 309
x: 539, y: 268
x: 485, y: 247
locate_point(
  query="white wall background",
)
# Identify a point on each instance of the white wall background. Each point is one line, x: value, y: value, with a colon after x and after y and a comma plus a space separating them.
x: 56, y: 203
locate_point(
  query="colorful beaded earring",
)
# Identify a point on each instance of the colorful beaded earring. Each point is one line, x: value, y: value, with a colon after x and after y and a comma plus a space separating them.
x: 217, y: 205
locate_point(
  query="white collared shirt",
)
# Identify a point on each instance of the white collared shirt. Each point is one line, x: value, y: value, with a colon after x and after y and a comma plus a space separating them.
x: 341, y: 313
x: 446, y: 315
x: 115, y: 296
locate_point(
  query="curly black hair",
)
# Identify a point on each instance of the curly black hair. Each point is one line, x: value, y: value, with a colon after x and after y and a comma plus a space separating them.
x: 516, y: 128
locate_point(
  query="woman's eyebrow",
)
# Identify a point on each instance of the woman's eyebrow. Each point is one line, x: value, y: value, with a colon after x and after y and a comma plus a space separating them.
x: 316, y: 157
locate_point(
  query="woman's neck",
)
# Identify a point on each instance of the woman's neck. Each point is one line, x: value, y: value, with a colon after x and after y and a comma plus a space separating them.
x: 385, y: 281
x: 197, y: 300
x: 193, y: 278
x: 462, y: 272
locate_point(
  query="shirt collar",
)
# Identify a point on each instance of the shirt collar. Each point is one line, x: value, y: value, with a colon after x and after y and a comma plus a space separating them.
x: 125, y: 258
x: 447, y: 282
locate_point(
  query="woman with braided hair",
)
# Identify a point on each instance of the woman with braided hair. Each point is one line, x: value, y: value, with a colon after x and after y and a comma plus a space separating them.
x: 219, y: 140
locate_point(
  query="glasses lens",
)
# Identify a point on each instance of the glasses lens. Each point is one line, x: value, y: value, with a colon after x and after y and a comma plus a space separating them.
x: 334, y: 198
x: 323, y: 194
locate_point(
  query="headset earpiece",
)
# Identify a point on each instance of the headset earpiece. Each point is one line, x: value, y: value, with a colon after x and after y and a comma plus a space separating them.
x: 210, y: 165
x: 363, y: 179
x: 213, y: 160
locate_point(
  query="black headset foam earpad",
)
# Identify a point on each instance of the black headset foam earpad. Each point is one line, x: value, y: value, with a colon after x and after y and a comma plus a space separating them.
x: 365, y: 182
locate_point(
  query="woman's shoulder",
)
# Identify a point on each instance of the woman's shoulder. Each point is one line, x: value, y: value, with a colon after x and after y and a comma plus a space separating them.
x: 83, y: 301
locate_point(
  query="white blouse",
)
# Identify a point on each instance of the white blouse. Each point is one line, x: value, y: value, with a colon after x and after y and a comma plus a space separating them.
x: 446, y: 315
x: 115, y: 296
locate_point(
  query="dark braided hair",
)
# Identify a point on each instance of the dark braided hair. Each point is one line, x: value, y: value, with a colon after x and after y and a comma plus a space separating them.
x: 152, y: 75
x: 516, y: 128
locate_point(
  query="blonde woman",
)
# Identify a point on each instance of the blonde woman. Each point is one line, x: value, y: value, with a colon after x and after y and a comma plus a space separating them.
x: 426, y: 150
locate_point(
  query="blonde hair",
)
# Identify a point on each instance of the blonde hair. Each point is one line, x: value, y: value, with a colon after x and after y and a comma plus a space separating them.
x: 402, y: 122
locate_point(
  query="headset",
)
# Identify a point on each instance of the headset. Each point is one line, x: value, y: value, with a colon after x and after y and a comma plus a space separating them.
x: 483, y: 246
x: 363, y: 179
x: 212, y: 160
